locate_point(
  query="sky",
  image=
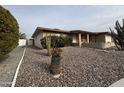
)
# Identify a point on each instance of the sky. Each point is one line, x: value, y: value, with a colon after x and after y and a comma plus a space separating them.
x: 67, y: 17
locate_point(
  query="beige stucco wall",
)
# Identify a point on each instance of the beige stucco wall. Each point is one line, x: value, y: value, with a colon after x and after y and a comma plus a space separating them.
x: 108, y: 38
x: 74, y: 38
x: 108, y: 41
x: 100, y: 39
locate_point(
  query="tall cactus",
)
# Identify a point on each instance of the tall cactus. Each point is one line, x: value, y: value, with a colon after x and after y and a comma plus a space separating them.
x: 118, y: 36
x: 48, y: 44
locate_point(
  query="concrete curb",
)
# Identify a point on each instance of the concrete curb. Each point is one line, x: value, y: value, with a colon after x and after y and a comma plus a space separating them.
x: 119, y: 83
x: 17, y: 70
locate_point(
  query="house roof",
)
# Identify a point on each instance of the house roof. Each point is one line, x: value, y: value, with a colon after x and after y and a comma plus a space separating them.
x: 82, y: 31
x: 43, y: 29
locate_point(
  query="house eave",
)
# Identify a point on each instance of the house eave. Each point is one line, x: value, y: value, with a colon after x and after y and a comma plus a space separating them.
x: 41, y: 29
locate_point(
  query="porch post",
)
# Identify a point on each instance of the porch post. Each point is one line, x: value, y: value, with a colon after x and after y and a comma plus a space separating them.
x: 88, y: 38
x: 79, y: 39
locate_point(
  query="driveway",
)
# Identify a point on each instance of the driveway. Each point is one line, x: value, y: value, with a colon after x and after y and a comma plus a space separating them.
x: 81, y: 67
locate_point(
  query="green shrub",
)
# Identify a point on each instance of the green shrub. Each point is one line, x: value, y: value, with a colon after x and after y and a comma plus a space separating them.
x: 43, y: 43
x: 58, y: 41
x: 9, y: 32
x: 68, y: 41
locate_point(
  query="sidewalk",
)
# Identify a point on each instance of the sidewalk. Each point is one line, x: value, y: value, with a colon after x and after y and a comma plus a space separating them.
x: 9, y: 65
x: 119, y: 83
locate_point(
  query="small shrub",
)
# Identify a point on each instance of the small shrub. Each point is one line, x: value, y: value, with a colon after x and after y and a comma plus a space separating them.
x: 57, y: 41
x: 68, y: 41
x: 55, y: 67
x: 43, y: 43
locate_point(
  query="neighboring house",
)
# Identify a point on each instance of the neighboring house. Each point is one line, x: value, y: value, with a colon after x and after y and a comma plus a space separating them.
x: 80, y: 37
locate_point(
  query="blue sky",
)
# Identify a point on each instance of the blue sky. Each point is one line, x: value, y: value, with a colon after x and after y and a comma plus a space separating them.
x: 89, y: 18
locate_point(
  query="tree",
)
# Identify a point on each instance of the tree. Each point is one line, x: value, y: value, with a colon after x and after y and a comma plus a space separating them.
x: 22, y: 35
x: 9, y: 32
x: 118, y: 36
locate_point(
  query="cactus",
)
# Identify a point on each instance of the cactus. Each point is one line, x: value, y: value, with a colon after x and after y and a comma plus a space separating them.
x: 48, y: 44
x: 55, y: 67
x: 118, y: 36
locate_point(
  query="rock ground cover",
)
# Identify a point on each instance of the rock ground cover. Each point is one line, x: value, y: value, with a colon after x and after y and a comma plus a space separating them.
x: 8, y: 66
x: 81, y: 67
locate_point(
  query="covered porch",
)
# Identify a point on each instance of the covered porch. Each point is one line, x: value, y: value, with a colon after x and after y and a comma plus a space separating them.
x: 80, y: 38
x: 94, y: 40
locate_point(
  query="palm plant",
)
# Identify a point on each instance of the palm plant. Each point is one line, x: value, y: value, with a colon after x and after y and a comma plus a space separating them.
x: 118, y: 36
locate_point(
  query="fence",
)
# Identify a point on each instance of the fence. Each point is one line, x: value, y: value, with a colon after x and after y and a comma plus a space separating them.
x: 22, y: 42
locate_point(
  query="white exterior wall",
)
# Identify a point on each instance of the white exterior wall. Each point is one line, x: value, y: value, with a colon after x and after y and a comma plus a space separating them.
x: 37, y: 39
x: 108, y: 39
x: 22, y: 42
x: 74, y: 39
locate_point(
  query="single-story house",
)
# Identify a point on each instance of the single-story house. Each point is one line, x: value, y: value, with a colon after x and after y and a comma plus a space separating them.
x: 79, y: 37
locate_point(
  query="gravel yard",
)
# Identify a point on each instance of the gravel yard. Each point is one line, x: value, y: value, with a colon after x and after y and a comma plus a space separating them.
x: 8, y: 67
x: 81, y: 67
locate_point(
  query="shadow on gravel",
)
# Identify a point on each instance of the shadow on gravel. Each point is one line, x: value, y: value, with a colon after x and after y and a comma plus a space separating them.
x: 41, y: 53
x: 36, y: 48
x: 44, y: 67
x: 4, y: 58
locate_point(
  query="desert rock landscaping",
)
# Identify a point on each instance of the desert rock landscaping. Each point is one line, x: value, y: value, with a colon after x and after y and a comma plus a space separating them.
x: 81, y: 67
